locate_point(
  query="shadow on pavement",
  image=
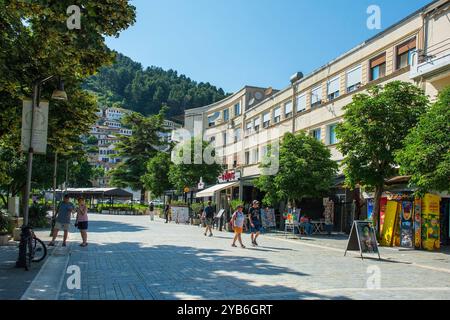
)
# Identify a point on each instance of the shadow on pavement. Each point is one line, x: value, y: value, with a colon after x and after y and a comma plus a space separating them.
x: 111, y: 226
x: 129, y: 271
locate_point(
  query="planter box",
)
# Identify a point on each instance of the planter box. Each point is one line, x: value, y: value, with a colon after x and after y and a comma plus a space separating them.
x: 18, y: 222
x: 16, y: 234
x: 4, y: 240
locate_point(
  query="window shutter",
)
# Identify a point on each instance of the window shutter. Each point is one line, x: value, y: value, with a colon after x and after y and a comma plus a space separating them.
x: 354, y: 76
x: 301, y: 102
x: 405, y: 47
x: 333, y: 85
x: 288, y: 107
x: 316, y: 95
x: 378, y: 60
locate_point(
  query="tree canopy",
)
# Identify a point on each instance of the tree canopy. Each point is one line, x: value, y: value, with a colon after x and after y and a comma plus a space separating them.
x: 188, y: 174
x: 128, y: 85
x: 306, y: 170
x: 426, y: 152
x: 138, y: 149
x: 375, y: 125
x: 156, y: 179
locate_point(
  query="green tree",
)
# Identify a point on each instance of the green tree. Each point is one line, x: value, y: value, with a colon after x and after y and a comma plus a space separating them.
x: 188, y: 174
x: 306, y: 170
x: 138, y: 149
x: 426, y: 152
x: 374, y: 126
x: 126, y: 83
x: 156, y: 180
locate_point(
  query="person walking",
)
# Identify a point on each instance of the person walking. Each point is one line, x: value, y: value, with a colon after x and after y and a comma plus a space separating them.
x: 255, y: 222
x: 152, y: 211
x: 62, y: 220
x: 237, y: 221
x: 209, y: 218
x: 166, y: 212
x: 82, y: 221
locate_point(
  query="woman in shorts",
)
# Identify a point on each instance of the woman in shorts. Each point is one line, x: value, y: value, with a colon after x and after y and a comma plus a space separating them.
x: 82, y: 220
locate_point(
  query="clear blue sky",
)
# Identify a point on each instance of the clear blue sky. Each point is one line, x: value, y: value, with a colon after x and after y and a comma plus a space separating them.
x: 232, y: 43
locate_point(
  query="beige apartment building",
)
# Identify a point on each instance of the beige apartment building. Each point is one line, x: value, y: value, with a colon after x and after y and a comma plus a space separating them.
x: 416, y: 49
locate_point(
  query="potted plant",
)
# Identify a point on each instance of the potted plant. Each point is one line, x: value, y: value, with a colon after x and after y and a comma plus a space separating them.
x: 5, y: 226
x: 196, y: 207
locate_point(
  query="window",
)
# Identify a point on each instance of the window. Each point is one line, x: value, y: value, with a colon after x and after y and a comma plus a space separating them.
x: 404, y: 53
x: 277, y: 115
x: 378, y: 67
x: 248, y: 128
x: 247, y: 158
x: 316, y: 97
x: 317, y: 134
x: 301, y: 102
x: 332, y: 134
x: 237, y: 109
x: 237, y: 135
x: 288, y: 109
x: 257, y: 124
x: 266, y: 120
x: 354, y: 77
x: 333, y: 88
x: 226, y: 115
x: 255, y: 156
x: 213, y: 118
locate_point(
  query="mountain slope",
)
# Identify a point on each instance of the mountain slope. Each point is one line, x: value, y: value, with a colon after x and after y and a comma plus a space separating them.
x: 128, y: 85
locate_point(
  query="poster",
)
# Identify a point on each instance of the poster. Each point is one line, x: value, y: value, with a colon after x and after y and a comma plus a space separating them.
x: 383, y: 204
x: 40, y: 127
x: 388, y: 233
x: 180, y: 214
x: 406, y: 225
x: 370, y: 205
x: 362, y: 238
x: 418, y: 223
x: 268, y: 218
x: 431, y: 222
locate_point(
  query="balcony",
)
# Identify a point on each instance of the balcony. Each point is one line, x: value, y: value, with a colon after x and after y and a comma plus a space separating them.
x: 435, y: 61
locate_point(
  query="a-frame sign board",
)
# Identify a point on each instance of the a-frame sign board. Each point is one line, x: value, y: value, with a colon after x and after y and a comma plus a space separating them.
x: 362, y: 238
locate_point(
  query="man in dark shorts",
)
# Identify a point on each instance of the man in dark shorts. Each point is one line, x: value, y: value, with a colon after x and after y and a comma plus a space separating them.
x: 209, y: 218
x: 255, y: 222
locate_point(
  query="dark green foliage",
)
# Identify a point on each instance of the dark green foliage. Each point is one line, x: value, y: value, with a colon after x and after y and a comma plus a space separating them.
x: 426, y: 155
x: 127, y: 84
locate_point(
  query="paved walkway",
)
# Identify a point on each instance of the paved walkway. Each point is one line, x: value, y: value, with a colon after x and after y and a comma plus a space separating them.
x: 132, y: 258
x: 14, y: 282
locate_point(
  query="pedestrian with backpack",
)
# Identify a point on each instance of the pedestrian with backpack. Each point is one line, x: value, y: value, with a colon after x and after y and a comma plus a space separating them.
x: 238, y: 225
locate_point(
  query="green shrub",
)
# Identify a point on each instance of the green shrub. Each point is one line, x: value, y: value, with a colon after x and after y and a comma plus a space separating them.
x: 38, y: 216
x: 6, y: 224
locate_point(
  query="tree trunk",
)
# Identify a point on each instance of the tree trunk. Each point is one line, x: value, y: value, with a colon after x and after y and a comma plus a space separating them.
x: 376, y: 209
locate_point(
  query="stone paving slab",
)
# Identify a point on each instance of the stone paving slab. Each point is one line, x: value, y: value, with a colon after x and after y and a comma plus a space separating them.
x: 131, y: 258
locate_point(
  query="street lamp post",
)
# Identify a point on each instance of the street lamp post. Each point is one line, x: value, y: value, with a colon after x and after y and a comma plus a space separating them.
x: 58, y: 94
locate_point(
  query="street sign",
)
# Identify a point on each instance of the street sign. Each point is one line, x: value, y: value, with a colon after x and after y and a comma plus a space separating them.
x: 362, y: 238
x: 186, y: 190
x: 40, y: 127
x: 201, y: 186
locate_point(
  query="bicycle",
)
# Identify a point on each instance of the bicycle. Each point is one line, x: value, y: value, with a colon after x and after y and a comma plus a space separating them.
x: 35, y: 249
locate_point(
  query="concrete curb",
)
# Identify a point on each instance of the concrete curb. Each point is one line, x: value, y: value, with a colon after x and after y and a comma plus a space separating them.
x: 48, y: 282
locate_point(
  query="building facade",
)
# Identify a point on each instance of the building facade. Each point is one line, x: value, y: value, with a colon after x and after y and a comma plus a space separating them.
x: 416, y: 50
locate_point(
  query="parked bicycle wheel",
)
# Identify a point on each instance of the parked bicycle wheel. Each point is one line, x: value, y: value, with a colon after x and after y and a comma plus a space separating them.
x: 39, y: 250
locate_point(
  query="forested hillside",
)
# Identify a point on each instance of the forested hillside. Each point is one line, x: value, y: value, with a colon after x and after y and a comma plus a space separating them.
x: 128, y: 85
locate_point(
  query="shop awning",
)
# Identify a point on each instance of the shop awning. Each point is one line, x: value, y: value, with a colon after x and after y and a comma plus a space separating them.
x: 218, y: 187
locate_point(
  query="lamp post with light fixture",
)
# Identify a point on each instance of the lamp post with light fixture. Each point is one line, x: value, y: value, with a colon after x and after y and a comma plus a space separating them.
x: 60, y: 95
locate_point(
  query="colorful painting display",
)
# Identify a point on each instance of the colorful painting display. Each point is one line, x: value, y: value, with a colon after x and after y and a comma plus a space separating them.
x: 180, y: 214
x: 268, y: 218
x: 362, y: 238
x: 418, y: 223
x: 406, y: 225
x: 431, y: 222
x: 390, y: 222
